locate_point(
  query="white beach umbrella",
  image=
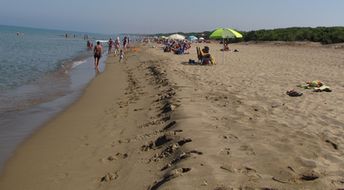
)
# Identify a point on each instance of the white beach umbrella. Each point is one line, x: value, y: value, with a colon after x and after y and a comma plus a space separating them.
x: 176, y: 37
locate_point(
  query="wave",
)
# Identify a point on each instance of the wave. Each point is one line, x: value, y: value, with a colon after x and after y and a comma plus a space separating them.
x: 77, y: 63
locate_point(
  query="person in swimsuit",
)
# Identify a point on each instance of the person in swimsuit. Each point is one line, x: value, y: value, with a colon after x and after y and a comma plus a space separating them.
x: 97, y: 54
x: 89, y: 45
x: 117, y: 45
x: 125, y: 43
x: 110, y: 43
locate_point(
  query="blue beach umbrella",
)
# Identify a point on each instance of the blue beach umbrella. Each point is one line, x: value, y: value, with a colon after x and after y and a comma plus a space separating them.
x: 192, y: 38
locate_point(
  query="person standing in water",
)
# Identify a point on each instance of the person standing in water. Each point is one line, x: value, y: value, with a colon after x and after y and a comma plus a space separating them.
x: 89, y: 45
x: 97, y: 54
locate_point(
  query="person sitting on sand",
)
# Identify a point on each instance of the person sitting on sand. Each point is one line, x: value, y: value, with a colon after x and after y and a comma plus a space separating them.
x: 167, y: 48
x: 187, y: 46
x: 175, y: 47
x: 97, y: 54
x: 182, y: 49
x: 206, y: 57
x: 205, y: 50
x: 225, y: 46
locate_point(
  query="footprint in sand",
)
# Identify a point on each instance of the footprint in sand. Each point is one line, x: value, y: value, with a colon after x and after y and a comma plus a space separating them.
x: 122, y: 156
x: 169, y: 150
x: 169, y: 176
x: 109, y: 177
x: 231, y: 138
x: 226, y: 151
x: 249, y: 150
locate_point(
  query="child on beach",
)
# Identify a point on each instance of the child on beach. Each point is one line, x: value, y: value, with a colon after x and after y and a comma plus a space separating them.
x: 121, y: 55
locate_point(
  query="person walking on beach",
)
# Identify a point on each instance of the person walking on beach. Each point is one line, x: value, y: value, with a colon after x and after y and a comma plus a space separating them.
x: 117, y: 46
x: 97, y: 54
x: 125, y: 43
x: 110, y: 43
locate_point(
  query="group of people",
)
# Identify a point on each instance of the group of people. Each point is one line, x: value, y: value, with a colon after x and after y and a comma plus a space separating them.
x: 98, y: 49
x: 182, y: 46
x: 67, y: 35
x: 177, y: 46
x: 117, y: 45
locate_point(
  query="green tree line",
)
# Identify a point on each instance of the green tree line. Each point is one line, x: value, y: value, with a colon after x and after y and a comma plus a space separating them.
x: 325, y: 35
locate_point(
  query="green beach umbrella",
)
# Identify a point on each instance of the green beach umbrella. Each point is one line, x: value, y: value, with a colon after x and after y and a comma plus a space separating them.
x: 224, y: 33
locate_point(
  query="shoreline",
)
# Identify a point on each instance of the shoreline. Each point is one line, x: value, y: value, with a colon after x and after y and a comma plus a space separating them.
x: 20, y: 123
x: 154, y: 122
x: 80, y: 120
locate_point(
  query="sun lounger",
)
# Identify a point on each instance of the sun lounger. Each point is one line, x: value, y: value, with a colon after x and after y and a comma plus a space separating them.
x: 199, y: 54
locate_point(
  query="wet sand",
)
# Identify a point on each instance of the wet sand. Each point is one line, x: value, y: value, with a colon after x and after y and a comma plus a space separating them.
x: 156, y: 122
x: 23, y: 110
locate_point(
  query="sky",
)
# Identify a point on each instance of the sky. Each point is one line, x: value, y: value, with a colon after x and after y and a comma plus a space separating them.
x: 155, y: 16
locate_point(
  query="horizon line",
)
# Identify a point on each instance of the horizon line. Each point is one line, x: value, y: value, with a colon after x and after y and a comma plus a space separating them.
x: 155, y: 33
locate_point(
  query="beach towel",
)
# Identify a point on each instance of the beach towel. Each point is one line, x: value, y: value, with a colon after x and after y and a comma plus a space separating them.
x: 311, y: 84
x: 323, y: 88
x: 316, y: 85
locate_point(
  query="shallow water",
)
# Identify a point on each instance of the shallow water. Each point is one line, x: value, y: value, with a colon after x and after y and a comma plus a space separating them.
x: 41, y: 72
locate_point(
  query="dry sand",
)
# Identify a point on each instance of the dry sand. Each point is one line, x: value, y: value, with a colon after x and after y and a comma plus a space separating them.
x: 156, y: 122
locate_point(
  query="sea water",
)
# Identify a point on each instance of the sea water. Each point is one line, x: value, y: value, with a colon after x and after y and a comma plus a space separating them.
x: 41, y: 72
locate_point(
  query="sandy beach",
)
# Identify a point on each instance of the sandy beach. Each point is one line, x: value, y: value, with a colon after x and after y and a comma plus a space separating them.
x: 157, y: 122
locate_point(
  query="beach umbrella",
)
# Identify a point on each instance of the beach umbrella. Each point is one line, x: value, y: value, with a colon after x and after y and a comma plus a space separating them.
x: 192, y: 38
x: 176, y: 37
x: 224, y: 33
x: 163, y: 37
